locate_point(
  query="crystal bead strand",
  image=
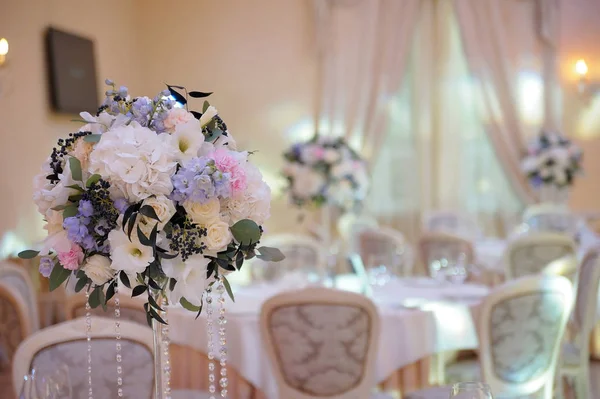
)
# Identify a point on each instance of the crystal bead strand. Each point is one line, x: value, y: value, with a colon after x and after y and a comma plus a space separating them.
x: 211, y: 354
x: 88, y: 335
x: 165, y: 348
x: 118, y: 340
x: 223, y: 382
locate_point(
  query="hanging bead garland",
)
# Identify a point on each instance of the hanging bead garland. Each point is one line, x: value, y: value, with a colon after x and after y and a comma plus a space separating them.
x: 118, y: 341
x: 88, y: 335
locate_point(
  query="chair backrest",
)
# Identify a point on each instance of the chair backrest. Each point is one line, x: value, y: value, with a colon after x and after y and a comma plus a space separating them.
x: 302, y: 253
x: 321, y: 343
x: 16, y: 276
x: 551, y: 218
x: 586, y: 300
x: 349, y: 224
x: 131, y: 309
x: 451, y: 222
x: 521, y: 325
x: 65, y: 345
x: 435, y: 247
x: 15, y: 323
x: 531, y: 253
x: 383, y: 246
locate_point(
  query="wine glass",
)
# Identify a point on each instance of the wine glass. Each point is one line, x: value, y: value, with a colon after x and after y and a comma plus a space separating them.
x: 378, y: 270
x: 27, y: 387
x: 471, y: 390
x: 53, y: 384
x: 456, y: 272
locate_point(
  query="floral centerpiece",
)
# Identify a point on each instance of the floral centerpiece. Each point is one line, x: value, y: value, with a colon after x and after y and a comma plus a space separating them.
x: 325, y: 170
x: 153, y: 195
x: 551, y: 164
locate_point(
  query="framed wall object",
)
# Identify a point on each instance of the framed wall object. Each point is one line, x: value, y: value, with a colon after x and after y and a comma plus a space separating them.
x: 71, y: 72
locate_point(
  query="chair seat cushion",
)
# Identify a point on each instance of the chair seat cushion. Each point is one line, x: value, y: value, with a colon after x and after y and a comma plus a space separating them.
x: 444, y: 393
x: 463, y: 370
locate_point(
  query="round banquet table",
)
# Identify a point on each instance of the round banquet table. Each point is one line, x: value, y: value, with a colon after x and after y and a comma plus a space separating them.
x: 419, y: 318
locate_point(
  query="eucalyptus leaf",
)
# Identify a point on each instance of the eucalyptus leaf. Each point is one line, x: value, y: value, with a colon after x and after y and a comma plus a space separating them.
x: 28, y: 254
x: 58, y: 276
x: 82, y: 282
x: 93, y: 179
x: 59, y: 207
x: 94, y: 299
x: 76, y: 187
x: 188, y: 305
x: 213, y: 135
x: 228, y: 288
x: 246, y: 231
x: 70, y: 211
x: 205, y: 106
x: 92, y: 138
x: 75, y: 168
x: 239, y: 260
x: 270, y: 254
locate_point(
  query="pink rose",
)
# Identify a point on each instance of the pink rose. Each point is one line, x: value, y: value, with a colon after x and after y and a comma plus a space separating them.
x: 227, y: 163
x: 71, y: 259
x: 319, y: 152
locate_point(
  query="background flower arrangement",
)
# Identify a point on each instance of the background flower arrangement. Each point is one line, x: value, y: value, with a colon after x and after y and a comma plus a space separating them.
x: 153, y: 195
x: 552, y: 160
x: 325, y: 170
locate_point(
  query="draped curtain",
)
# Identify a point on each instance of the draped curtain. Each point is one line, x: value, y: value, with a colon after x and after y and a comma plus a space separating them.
x: 440, y: 97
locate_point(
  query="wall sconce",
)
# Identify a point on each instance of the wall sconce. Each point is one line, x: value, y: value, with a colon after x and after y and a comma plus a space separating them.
x: 3, y: 50
x: 584, y: 86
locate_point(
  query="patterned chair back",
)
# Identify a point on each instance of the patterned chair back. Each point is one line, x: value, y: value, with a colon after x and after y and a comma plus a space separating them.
x: 532, y: 253
x: 521, y: 325
x: 551, y: 218
x: 383, y: 246
x: 17, y: 277
x: 437, y: 247
x: 64, y: 346
x: 302, y: 253
x: 15, y: 323
x: 321, y: 343
x: 586, y: 300
x: 129, y: 308
x: 451, y: 222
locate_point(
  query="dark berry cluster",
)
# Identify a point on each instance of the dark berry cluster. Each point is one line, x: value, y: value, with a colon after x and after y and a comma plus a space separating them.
x: 219, y: 124
x: 105, y: 214
x: 187, y: 240
x: 58, y: 154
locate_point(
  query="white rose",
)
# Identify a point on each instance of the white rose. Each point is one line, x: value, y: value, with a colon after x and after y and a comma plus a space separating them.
x: 307, y: 183
x: 97, y: 268
x: 54, y: 222
x: 190, y: 276
x: 187, y: 140
x: 237, y: 208
x: 208, y: 115
x: 164, y: 209
x: 130, y: 256
x: 203, y: 214
x: 218, y: 236
x: 176, y: 117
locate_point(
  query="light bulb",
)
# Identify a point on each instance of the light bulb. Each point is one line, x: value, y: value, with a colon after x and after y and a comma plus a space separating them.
x: 3, y: 47
x: 581, y: 68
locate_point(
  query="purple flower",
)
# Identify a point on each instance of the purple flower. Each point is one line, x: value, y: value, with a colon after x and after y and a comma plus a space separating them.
x: 85, y: 208
x: 76, y: 228
x: 88, y: 243
x: 121, y: 205
x: 46, y: 266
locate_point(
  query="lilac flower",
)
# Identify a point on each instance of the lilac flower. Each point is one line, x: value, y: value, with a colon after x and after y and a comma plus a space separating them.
x: 46, y: 266
x: 88, y: 243
x: 200, y: 180
x: 121, y: 205
x: 76, y: 228
x: 85, y: 208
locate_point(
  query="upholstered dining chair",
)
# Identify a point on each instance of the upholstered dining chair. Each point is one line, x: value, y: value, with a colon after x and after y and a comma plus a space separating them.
x: 349, y: 224
x: 436, y: 247
x: 532, y: 253
x: 17, y: 277
x: 575, y: 364
x: 15, y: 326
x: 65, y: 345
x: 302, y: 253
x: 382, y: 246
x: 521, y: 325
x: 129, y: 308
x: 551, y: 218
x: 451, y: 222
x: 321, y: 343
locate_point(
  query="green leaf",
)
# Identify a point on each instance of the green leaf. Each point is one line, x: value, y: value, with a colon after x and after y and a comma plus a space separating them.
x: 59, y: 207
x: 142, y: 237
x: 75, y: 198
x: 125, y: 279
x: 94, y: 299
x: 101, y: 297
x: 189, y: 306
x: 148, y: 211
x: 110, y: 291
x: 70, y: 211
x: 93, y: 179
x: 76, y: 187
x: 156, y: 316
x: 28, y: 254
x: 270, y: 254
x: 227, y: 288
x: 138, y: 290
x: 92, y: 138
x: 239, y: 260
x: 199, y: 311
x: 172, y: 283
x: 154, y: 304
x: 246, y: 231
x: 213, y: 135
x: 198, y: 94
x: 205, y: 106
x: 58, y: 276
x: 130, y: 225
x: 75, y: 168
x: 82, y: 282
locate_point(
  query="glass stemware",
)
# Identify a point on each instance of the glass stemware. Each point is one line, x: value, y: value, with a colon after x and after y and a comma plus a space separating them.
x: 55, y: 384
x: 471, y: 390
x: 378, y: 270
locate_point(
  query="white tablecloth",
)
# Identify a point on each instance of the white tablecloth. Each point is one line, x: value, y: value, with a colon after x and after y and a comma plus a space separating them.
x: 419, y: 318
